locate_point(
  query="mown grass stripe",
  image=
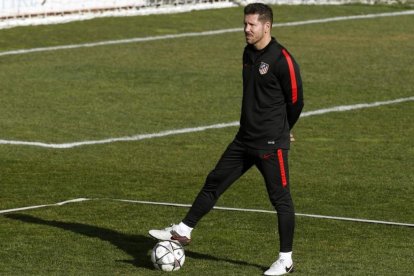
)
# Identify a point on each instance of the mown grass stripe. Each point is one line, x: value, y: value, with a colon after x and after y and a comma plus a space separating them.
x: 195, y: 34
x: 139, y: 137
x: 215, y: 207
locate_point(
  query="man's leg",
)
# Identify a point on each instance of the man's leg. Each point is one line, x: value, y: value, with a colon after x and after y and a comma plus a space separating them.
x: 274, y: 167
x: 233, y: 163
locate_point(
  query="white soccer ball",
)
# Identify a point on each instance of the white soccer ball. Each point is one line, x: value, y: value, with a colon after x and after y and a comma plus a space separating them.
x: 168, y: 256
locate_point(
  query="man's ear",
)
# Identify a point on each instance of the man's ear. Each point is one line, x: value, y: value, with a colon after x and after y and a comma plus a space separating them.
x: 268, y: 26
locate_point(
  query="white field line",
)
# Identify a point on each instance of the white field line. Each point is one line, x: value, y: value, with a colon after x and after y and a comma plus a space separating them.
x: 216, y: 208
x: 43, y: 206
x: 196, y: 34
x: 139, y: 137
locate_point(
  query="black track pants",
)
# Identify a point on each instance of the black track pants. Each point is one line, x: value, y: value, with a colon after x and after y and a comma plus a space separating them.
x: 235, y: 161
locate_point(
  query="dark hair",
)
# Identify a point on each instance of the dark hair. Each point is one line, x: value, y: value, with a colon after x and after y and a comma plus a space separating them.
x: 264, y: 11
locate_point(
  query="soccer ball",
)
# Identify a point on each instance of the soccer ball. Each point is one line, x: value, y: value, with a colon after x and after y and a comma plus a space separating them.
x: 168, y: 256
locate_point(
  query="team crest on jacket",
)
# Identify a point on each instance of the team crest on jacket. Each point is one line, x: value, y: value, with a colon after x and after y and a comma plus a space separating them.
x: 263, y: 68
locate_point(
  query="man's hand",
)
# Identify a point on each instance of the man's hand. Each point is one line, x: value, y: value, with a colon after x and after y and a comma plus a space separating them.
x: 292, y: 139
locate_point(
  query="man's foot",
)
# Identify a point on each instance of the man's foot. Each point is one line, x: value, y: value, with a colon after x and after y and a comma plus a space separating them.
x: 170, y: 234
x: 280, y: 267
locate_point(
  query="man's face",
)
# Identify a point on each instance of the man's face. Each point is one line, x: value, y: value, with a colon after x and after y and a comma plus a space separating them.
x: 254, y: 30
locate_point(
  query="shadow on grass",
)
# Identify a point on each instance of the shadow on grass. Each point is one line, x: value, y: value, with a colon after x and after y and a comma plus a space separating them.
x: 137, y: 246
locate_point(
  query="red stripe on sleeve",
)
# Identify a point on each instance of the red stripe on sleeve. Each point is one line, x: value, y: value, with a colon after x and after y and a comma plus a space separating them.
x: 282, y: 167
x: 292, y: 74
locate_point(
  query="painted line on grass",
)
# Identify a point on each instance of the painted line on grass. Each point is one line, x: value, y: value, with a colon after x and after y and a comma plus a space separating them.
x: 139, y: 137
x: 196, y: 34
x: 43, y: 206
x: 271, y: 212
x: 77, y: 200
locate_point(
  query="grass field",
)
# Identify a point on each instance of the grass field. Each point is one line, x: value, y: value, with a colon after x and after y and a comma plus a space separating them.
x: 356, y: 164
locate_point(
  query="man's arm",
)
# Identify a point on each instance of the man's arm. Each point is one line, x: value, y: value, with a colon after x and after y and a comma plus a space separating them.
x: 291, y: 83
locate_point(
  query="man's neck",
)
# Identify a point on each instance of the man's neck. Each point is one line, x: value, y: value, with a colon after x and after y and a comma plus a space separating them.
x: 260, y: 45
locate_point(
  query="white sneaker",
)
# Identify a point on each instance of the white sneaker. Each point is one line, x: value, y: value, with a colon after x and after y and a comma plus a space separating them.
x: 280, y: 267
x: 170, y: 234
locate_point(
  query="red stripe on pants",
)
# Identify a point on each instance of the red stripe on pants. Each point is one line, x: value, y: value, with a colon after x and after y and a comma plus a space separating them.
x: 282, y: 167
x: 292, y: 74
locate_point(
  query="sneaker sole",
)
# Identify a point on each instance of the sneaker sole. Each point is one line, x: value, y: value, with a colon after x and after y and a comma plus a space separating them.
x: 290, y: 270
x: 182, y: 240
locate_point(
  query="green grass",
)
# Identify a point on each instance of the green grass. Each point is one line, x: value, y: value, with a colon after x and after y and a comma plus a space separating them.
x: 113, y: 240
x: 353, y: 164
x: 129, y: 27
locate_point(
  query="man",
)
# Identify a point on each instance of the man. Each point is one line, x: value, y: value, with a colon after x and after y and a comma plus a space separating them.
x: 272, y: 103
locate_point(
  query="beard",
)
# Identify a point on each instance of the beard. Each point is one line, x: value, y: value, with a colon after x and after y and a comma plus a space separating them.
x: 253, y: 38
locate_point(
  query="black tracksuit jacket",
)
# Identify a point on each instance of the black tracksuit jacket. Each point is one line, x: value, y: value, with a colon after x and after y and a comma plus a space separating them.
x: 272, y: 97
